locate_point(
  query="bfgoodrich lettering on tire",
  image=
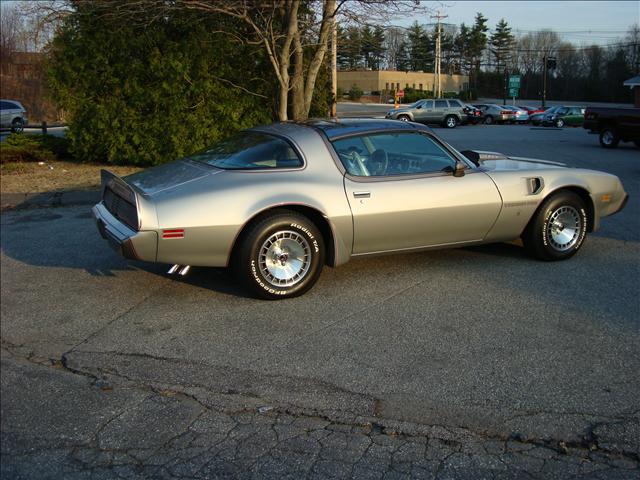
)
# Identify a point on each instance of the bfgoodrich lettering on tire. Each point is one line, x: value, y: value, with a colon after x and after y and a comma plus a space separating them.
x: 558, y: 229
x: 279, y: 256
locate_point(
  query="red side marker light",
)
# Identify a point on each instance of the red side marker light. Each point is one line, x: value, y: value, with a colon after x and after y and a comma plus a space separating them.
x: 173, y: 233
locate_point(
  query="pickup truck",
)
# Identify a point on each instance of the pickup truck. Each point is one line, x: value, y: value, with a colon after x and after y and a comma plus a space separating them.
x: 613, y: 125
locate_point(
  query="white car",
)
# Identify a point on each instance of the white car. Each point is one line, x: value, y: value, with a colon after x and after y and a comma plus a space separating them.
x: 522, y: 116
x: 12, y: 115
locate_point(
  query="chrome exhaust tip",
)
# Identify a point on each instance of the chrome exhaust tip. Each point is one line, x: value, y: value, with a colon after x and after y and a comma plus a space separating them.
x: 173, y: 269
x: 184, y: 270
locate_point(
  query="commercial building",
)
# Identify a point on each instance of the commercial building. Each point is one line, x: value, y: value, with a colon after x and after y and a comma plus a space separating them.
x: 390, y: 80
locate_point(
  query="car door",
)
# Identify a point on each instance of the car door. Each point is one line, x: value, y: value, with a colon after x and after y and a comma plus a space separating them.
x: 574, y: 116
x: 419, y: 111
x: 440, y: 111
x: 426, y: 110
x: 414, y: 201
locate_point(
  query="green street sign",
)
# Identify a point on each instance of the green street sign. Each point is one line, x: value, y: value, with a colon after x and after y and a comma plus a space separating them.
x: 513, y: 92
x: 514, y: 81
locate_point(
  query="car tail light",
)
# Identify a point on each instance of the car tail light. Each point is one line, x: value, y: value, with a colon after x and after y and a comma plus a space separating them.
x: 505, y: 112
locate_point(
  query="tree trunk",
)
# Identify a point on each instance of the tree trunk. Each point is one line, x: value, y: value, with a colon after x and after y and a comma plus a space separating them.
x: 328, y: 14
x: 290, y: 12
x: 297, y: 82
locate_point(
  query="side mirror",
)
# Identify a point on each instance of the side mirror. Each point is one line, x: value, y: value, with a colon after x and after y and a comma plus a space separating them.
x: 459, y: 170
x: 419, y: 106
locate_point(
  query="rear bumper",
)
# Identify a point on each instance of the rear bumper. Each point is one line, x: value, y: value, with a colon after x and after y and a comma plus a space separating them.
x: 127, y: 242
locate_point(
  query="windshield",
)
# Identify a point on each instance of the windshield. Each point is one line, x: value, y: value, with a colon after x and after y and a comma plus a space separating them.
x: 249, y: 151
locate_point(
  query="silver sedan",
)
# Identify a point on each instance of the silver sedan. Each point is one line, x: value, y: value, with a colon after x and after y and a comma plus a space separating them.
x: 277, y: 203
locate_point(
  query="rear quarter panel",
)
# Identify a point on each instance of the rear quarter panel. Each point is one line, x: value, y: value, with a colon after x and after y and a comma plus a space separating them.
x: 214, y: 209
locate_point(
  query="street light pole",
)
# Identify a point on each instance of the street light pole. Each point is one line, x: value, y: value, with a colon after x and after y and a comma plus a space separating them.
x: 505, y: 80
x: 544, y: 81
x: 438, y: 82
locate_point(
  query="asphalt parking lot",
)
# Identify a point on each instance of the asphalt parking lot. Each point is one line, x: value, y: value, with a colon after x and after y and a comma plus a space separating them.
x: 468, y: 363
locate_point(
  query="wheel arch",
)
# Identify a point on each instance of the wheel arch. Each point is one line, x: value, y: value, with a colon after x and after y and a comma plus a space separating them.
x: 314, y: 215
x: 582, y: 192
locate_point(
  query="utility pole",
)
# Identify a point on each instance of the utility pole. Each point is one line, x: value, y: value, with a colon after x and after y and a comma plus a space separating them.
x: 438, y: 82
x: 505, y: 81
x: 334, y: 65
x: 544, y: 81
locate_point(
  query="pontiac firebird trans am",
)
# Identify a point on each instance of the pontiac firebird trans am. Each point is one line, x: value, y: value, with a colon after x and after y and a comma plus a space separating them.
x: 276, y: 203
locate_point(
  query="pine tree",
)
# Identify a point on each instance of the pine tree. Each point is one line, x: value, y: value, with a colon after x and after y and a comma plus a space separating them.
x: 378, y: 47
x: 403, y: 62
x: 502, y: 42
x: 477, y: 44
x: 420, y: 56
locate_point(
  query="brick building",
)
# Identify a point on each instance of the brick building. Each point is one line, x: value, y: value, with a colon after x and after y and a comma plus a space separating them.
x: 391, y: 80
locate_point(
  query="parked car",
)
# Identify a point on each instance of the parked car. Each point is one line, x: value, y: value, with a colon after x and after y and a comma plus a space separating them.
x: 473, y: 114
x: 536, y: 118
x: 12, y: 115
x: 276, y: 203
x: 495, y: 113
x: 521, y: 115
x: 613, y: 125
x: 532, y: 110
x: 448, y: 113
x: 570, y: 116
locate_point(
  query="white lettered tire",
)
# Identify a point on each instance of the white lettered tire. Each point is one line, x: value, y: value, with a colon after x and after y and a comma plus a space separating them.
x: 279, y: 256
x: 559, y: 227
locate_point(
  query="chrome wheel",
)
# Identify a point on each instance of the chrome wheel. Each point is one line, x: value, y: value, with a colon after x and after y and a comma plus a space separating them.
x: 403, y: 118
x: 451, y: 122
x: 284, y: 258
x: 607, y: 137
x: 564, y: 228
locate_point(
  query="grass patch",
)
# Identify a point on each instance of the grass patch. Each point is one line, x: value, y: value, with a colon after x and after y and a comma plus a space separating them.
x: 54, y: 176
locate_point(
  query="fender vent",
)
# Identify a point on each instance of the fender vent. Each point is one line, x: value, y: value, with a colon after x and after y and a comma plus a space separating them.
x: 534, y: 185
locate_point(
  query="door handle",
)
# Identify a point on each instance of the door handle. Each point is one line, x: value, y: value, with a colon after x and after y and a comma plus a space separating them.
x: 362, y: 194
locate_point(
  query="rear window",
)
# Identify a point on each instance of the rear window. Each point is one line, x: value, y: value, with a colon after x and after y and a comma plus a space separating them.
x: 250, y: 151
x: 455, y: 103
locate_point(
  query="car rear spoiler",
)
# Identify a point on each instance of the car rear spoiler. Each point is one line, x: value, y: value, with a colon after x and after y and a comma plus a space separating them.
x: 118, y: 185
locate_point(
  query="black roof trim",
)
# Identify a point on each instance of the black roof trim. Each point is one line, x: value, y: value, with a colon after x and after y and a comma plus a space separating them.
x: 349, y: 126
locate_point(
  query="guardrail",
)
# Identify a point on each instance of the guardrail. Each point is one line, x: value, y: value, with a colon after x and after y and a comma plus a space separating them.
x: 44, y: 126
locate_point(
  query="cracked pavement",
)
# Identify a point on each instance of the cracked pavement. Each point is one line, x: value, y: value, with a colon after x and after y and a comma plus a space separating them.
x: 472, y: 363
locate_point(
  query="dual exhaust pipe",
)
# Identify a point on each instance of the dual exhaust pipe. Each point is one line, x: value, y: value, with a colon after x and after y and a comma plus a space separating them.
x: 181, y: 270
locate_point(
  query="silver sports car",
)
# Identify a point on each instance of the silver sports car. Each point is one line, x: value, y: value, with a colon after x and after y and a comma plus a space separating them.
x: 277, y: 203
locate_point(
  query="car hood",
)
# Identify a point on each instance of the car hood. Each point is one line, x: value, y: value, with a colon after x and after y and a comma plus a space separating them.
x: 494, y: 161
x: 171, y: 175
x: 519, y: 163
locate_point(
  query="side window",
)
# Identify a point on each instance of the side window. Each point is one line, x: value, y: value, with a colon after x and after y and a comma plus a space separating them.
x: 391, y: 154
x: 441, y: 104
x: 562, y: 111
x: 5, y: 106
x: 455, y: 104
x: 428, y: 104
x: 250, y: 151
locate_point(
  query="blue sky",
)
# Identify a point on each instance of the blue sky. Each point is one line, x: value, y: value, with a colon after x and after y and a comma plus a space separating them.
x: 606, y: 21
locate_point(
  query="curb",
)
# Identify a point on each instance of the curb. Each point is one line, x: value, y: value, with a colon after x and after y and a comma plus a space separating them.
x: 19, y: 201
